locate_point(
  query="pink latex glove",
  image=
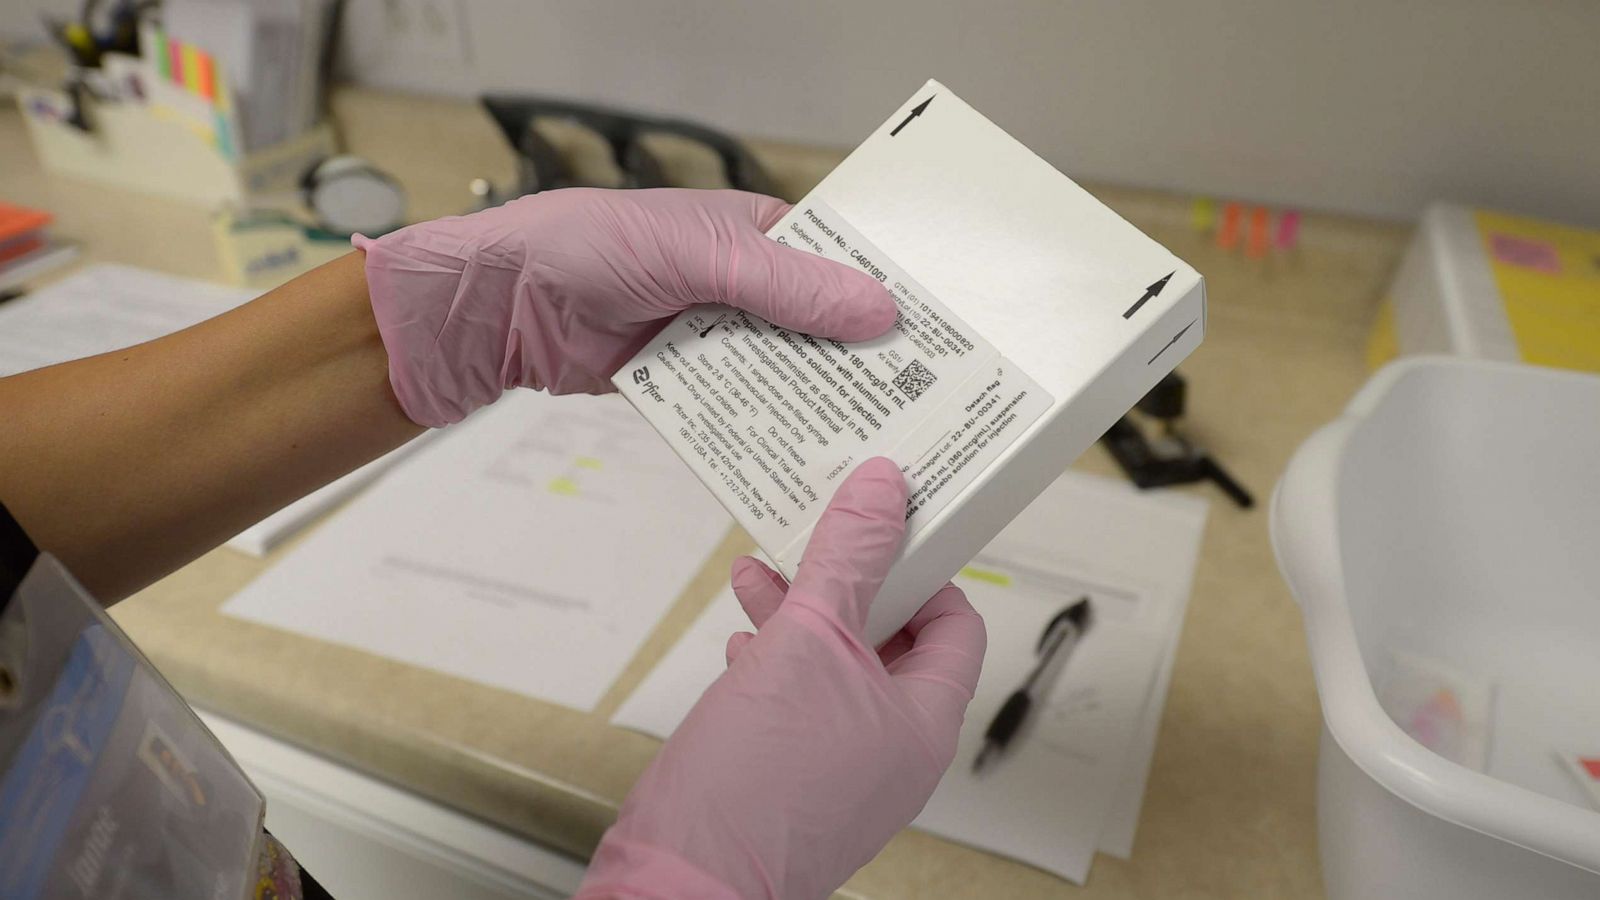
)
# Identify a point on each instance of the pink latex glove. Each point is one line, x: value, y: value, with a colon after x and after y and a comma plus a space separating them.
x: 557, y: 290
x: 812, y: 749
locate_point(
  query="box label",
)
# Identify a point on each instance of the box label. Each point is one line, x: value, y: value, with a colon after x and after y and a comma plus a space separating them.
x: 773, y: 420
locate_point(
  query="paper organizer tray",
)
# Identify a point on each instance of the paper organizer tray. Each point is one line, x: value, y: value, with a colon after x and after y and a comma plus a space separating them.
x: 145, y: 147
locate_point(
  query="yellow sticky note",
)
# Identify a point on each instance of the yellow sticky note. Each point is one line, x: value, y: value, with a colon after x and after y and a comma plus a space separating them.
x: 1549, y: 279
x: 1383, y: 344
x: 989, y: 575
x: 1203, y: 214
x: 587, y: 462
x: 564, y: 486
x: 192, y: 75
x: 224, y: 99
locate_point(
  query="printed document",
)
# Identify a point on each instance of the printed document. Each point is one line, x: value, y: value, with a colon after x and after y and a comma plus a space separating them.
x: 1073, y: 781
x: 531, y: 548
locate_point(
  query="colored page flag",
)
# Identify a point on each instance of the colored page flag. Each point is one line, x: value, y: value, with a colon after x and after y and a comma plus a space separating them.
x: 160, y: 54
x: 205, y: 77
x: 1586, y: 768
x: 175, y: 61
x: 191, y: 68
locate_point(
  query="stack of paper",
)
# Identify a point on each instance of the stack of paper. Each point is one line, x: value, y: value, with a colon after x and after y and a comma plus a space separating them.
x: 531, y: 548
x: 1073, y: 781
x: 26, y: 248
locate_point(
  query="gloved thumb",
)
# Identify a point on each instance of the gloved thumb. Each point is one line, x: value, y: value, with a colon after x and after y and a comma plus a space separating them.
x: 801, y: 291
x: 854, y: 543
x: 941, y: 667
x: 760, y: 592
x: 758, y: 588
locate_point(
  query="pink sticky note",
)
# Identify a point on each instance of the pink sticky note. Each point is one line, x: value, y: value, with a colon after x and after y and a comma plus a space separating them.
x: 1288, y: 229
x: 175, y: 60
x: 1525, y: 252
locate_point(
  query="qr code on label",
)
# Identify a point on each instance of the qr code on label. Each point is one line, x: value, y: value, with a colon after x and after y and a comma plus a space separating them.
x: 915, y: 379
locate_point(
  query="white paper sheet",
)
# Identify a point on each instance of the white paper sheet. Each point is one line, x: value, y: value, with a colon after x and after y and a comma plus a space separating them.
x: 1076, y: 779
x: 1046, y: 800
x: 663, y: 700
x: 260, y: 539
x: 102, y: 308
x: 1122, y: 821
x: 532, y: 548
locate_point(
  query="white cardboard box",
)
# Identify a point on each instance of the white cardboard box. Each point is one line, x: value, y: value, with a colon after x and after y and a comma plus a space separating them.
x: 1444, y: 295
x: 1031, y: 318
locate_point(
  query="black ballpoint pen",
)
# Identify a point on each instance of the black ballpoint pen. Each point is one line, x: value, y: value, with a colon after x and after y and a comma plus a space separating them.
x: 1055, y: 645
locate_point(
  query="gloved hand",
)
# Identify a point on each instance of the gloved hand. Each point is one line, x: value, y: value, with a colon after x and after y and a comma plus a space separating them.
x: 810, y: 752
x: 557, y: 290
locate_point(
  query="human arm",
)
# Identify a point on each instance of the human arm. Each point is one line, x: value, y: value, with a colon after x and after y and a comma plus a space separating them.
x: 129, y: 464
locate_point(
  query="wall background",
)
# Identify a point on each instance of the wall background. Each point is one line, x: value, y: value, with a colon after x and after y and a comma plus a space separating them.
x: 1363, y: 106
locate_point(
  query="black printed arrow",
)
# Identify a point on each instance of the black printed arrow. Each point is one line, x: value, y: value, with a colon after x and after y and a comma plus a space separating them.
x: 915, y: 111
x: 1149, y: 292
x: 713, y: 324
x: 1181, y: 333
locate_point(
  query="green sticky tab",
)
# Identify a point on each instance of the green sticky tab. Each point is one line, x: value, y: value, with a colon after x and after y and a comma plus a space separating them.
x: 564, y: 486
x: 588, y: 462
x: 223, y: 140
x: 988, y: 575
x: 159, y: 55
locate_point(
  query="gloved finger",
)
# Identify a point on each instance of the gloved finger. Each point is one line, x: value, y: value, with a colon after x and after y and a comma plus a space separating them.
x: 895, y: 647
x: 854, y: 543
x: 758, y: 588
x: 941, y: 668
x: 736, y: 644
x: 801, y: 291
x: 768, y: 210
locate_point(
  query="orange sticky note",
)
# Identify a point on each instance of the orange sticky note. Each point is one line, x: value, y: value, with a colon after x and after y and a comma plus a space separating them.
x: 1228, y: 234
x: 1255, y: 246
x: 206, y: 76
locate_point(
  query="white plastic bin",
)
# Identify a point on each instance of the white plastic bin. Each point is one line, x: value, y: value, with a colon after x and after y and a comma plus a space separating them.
x: 1453, y: 512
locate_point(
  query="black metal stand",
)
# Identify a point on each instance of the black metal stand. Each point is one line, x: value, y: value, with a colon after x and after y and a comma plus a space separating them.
x: 1170, y: 458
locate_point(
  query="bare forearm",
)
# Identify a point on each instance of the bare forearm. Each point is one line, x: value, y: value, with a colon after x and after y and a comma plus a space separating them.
x: 129, y: 464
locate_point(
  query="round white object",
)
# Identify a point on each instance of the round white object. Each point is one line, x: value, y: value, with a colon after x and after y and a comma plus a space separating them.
x: 349, y: 195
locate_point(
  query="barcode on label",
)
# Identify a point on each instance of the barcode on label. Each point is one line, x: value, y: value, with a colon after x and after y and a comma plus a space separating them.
x: 915, y: 379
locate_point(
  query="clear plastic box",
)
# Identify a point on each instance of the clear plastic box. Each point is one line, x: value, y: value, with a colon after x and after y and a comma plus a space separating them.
x: 1453, y: 512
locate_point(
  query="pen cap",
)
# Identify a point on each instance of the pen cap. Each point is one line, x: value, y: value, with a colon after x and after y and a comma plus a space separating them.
x: 1076, y: 615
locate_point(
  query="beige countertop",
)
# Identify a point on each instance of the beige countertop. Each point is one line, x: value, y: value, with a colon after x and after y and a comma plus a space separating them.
x: 1229, y: 809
